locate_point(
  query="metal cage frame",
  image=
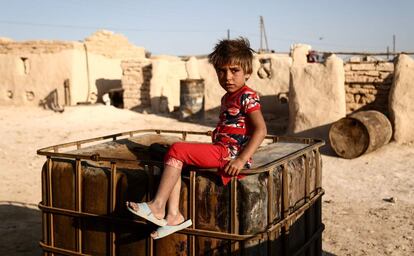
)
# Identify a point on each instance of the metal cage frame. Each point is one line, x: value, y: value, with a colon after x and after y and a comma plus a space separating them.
x: 288, y: 215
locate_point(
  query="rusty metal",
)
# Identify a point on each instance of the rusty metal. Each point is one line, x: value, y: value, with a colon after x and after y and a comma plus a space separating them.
x: 270, y: 184
x: 318, y: 175
x: 234, y: 224
x: 289, y: 215
x: 112, y: 201
x: 307, y: 196
x: 192, y: 210
x: 78, y: 203
x: 193, y: 231
x: 49, y: 202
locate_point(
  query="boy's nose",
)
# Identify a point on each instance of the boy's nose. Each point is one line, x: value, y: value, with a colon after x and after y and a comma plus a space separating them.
x: 229, y: 75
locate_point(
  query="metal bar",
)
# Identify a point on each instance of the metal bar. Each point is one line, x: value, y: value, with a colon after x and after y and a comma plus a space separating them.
x: 191, y: 231
x: 270, y: 189
x: 307, y: 177
x: 150, y: 182
x: 285, y: 198
x: 44, y: 227
x: 256, y: 170
x: 270, y: 202
x: 318, y: 174
x: 44, y: 151
x: 51, y: 237
x: 150, y: 246
x: 48, y: 248
x: 97, y: 157
x: 78, y: 203
x: 296, y: 214
x: 112, y: 203
x: 45, y: 200
x: 316, y: 236
x: 59, y: 251
x: 307, y: 197
x: 285, y: 192
x: 234, y: 221
x: 193, y: 210
x: 318, y: 219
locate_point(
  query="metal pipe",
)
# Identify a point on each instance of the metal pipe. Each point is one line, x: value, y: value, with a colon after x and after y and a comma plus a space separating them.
x: 112, y: 204
x: 78, y: 203
x: 50, y: 201
x: 270, y: 203
x: 234, y: 221
x: 192, y: 210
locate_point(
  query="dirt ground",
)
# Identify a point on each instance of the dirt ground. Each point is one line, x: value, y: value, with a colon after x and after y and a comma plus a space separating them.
x: 368, y: 207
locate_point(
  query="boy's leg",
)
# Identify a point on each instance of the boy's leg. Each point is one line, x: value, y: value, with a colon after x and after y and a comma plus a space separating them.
x: 170, y: 180
x: 197, y: 154
x: 203, y: 155
x: 174, y: 216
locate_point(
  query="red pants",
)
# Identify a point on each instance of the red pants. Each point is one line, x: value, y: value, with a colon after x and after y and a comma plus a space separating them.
x: 202, y: 155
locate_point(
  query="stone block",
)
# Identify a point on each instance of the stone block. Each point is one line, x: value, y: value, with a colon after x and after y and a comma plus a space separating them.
x: 401, y: 100
x: 385, y: 66
x: 355, y: 59
x: 363, y: 66
x: 316, y: 97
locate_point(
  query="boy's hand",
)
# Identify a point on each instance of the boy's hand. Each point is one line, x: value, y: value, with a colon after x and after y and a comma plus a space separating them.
x: 233, y: 167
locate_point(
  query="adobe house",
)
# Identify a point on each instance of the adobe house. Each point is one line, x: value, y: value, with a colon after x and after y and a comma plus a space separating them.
x: 67, y: 72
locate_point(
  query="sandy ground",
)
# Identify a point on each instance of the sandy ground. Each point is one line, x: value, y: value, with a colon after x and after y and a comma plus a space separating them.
x: 368, y: 208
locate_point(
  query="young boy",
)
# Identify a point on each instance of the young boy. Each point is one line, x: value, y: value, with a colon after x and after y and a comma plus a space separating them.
x: 239, y: 132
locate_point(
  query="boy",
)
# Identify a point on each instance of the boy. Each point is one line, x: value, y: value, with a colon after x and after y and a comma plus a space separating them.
x: 239, y: 132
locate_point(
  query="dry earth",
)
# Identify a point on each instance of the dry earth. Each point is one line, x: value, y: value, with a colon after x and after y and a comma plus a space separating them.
x: 368, y: 208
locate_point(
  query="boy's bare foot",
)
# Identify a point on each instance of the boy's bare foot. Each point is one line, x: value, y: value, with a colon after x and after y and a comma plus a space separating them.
x: 158, y: 212
x: 155, y: 211
x: 173, y: 220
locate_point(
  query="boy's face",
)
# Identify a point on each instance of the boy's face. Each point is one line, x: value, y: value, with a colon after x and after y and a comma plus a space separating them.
x: 231, y: 77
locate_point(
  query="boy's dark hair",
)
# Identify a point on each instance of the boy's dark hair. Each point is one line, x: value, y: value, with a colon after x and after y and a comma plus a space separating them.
x: 233, y: 51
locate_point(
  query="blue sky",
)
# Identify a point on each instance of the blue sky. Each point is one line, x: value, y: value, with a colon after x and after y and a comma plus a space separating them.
x: 193, y: 27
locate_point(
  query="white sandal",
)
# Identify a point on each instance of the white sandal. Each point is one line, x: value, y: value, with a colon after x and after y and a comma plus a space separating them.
x: 145, y: 212
x: 168, y: 230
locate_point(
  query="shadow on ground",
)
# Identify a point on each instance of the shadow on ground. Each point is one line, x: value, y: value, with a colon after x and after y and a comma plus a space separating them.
x: 20, y: 229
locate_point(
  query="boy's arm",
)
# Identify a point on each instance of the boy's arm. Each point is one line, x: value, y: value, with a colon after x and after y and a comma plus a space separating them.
x: 234, y: 166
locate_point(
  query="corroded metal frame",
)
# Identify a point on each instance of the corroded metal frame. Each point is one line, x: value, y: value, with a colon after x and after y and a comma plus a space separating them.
x: 287, y: 218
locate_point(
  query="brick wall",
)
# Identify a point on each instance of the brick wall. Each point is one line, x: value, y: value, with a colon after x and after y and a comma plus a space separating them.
x: 136, y: 78
x: 367, y: 84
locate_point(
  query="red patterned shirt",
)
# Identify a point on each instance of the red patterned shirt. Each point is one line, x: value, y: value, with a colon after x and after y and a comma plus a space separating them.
x: 233, y: 129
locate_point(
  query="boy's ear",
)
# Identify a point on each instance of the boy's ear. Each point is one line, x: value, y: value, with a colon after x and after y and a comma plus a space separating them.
x: 246, y: 77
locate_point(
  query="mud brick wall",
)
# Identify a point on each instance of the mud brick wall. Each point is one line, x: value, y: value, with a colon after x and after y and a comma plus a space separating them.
x: 136, y: 78
x: 34, y: 47
x: 111, y: 45
x: 367, y: 85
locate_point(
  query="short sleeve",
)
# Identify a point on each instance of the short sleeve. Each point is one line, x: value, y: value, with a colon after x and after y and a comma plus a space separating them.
x: 250, y: 102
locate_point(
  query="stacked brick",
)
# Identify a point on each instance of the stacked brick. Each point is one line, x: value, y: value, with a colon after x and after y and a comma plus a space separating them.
x: 367, y: 85
x: 136, y: 78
